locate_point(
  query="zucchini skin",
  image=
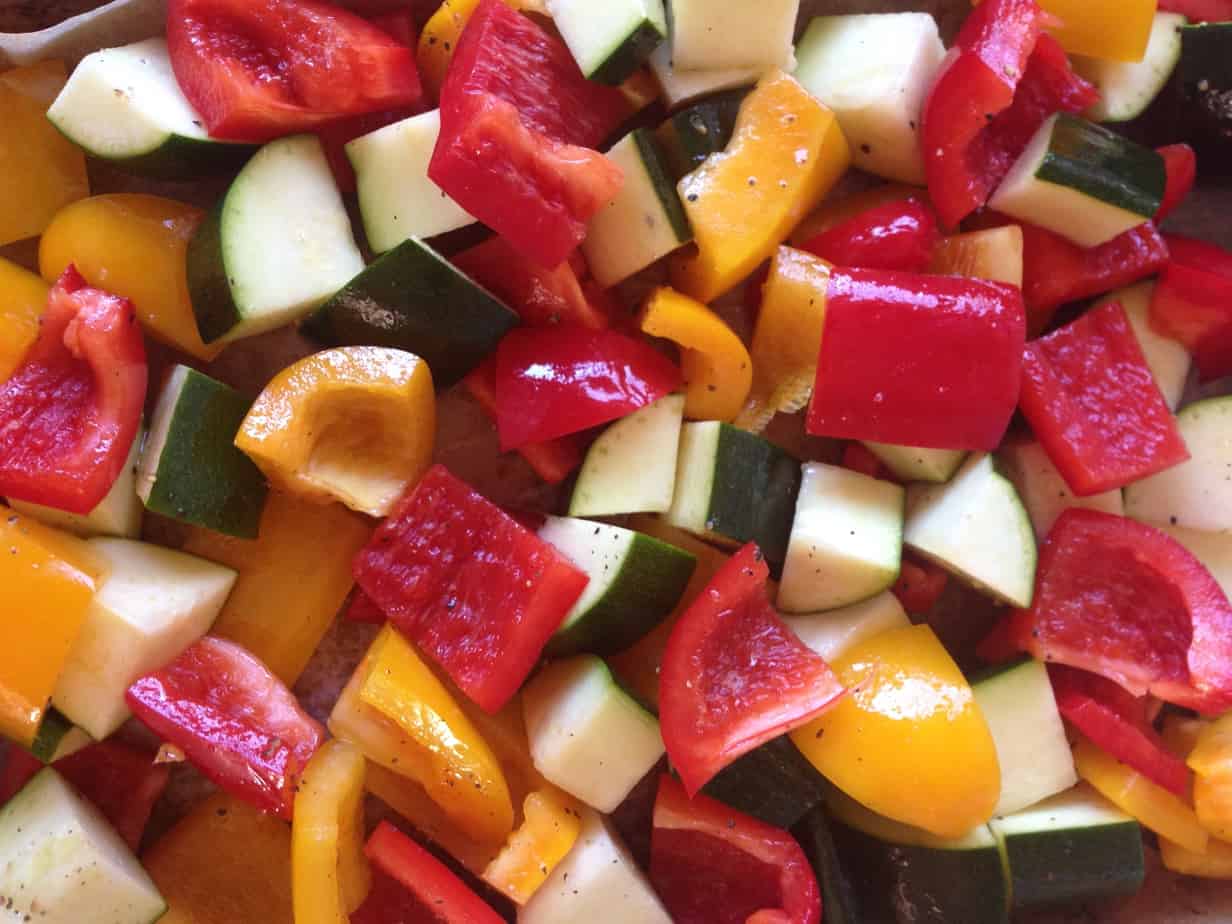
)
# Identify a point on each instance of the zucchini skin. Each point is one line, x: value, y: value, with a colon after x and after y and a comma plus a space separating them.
x: 774, y: 783
x: 213, y: 304
x: 182, y: 159
x: 743, y: 515
x: 632, y: 54
x: 691, y: 135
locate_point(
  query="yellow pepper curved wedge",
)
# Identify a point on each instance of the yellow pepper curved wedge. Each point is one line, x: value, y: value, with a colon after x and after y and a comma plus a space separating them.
x: 330, y: 877
x: 47, y: 580
x: 135, y: 246
x: 909, y: 741
x: 786, y: 153
x: 716, y: 365
x: 440, y: 37
x: 1134, y: 794
x: 787, y: 337
x: 1213, y: 863
x: 355, y: 424
x: 551, y: 823
x: 23, y: 297
x: 1211, y: 760
x: 41, y: 171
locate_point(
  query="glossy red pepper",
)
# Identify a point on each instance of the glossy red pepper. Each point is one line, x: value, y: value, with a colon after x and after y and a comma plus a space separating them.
x: 411, y: 885
x: 260, y: 69
x: 1093, y: 404
x: 474, y: 589
x: 718, y: 696
x: 1181, y: 164
x: 362, y: 608
x: 977, y: 81
x: 1193, y: 303
x: 518, y: 124
x: 1123, y: 600
x: 553, y: 460
x: 70, y: 412
x: 931, y: 361
x: 711, y: 864
x: 920, y: 584
x: 556, y: 381
x: 234, y: 720
x: 1116, y: 722
x: 893, y: 236
x: 1199, y: 10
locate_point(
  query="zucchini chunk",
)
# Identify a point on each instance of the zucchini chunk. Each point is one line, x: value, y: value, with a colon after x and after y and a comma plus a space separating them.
x: 610, y: 39
x: 1127, y: 88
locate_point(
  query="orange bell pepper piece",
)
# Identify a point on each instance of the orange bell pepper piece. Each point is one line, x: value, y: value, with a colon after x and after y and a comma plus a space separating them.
x: 552, y: 821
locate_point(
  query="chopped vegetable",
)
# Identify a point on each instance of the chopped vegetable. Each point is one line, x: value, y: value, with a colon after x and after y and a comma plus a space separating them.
x: 1182, y: 166
x: 1111, y: 29
x: 1191, y: 303
x: 895, y: 236
x: 24, y: 298
x: 550, y: 827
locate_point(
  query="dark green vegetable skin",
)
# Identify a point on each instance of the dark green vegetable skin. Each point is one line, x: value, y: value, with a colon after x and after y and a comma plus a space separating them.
x: 413, y: 299
x: 654, y: 158
x: 51, y: 732
x: 184, y: 159
x: 1099, y: 863
x: 631, y: 55
x: 213, y: 305
x: 1104, y: 165
x: 839, y: 900
x: 693, y: 134
x: 774, y: 783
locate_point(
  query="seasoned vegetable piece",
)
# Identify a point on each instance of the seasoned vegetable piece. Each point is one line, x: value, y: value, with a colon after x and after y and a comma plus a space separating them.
x: 691, y: 135
x: 439, y: 39
x: 995, y: 254
x: 680, y: 86
x: 719, y: 34
x: 1110, y: 29
x: 1167, y: 359
x: 833, y: 632
x: 551, y: 823
x: 1128, y: 87
x: 1190, y: 303
x: 1043, y: 490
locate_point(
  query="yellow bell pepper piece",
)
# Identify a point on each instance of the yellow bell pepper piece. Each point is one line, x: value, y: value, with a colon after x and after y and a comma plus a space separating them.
x: 834, y: 212
x: 909, y: 740
x: 716, y: 366
x: 441, y: 33
x: 1134, y: 794
x: 355, y: 424
x: 47, y: 580
x: 786, y: 153
x: 330, y: 877
x: 23, y: 296
x: 1117, y: 30
x: 402, y: 717
x: 787, y: 337
x: 135, y: 246
x: 1211, y: 759
x: 223, y: 863
x: 994, y: 254
x: 293, y: 578
x: 552, y: 822
x: 41, y: 171
x: 1213, y: 863
x: 1212, y: 752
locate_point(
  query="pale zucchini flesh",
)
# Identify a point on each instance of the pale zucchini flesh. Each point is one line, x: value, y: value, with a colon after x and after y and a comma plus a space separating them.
x: 1169, y: 362
x: 1043, y: 490
x: 831, y: 634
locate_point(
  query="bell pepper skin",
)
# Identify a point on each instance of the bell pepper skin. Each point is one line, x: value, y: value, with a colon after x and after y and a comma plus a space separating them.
x: 51, y: 575
x: 1128, y: 602
x: 550, y: 827
x: 714, y: 865
x: 136, y: 247
x: 837, y: 210
x: 429, y: 891
x: 931, y: 361
x: 42, y: 170
x: 1134, y: 794
x: 355, y: 424
x: 224, y: 862
x: 911, y: 716
x: 553, y: 382
x: 1115, y: 721
x: 715, y: 648
x: 1094, y: 406
x: 1116, y: 30
x: 714, y: 362
x: 894, y: 236
x: 920, y: 585
x: 786, y: 153
x: 234, y: 721
x: 78, y: 396
x: 329, y: 872
x: 1193, y: 303
x: 474, y: 590
x: 1181, y: 164
x: 786, y: 337
x: 293, y: 578
x: 23, y: 296
x: 977, y: 81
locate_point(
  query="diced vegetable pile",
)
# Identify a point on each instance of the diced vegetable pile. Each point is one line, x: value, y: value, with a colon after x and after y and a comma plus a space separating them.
x: 878, y: 554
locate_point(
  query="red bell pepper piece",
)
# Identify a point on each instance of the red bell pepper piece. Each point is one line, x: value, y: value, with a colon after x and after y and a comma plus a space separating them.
x: 260, y: 69
x: 977, y: 81
x: 69, y: 414
x: 1181, y: 163
x: 398, y: 25
x: 1193, y: 303
x: 718, y: 699
x: 234, y: 720
x: 1000, y: 644
x: 1093, y: 403
x: 1130, y: 603
x: 475, y: 590
x: 560, y: 380
x: 920, y: 584
x: 1199, y: 10
x: 411, y: 885
x: 518, y: 121
x: 892, y: 236
x: 711, y: 864
x: 363, y: 608
x: 912, y: 360
x: 19, y: 768
x: 1116, y: 722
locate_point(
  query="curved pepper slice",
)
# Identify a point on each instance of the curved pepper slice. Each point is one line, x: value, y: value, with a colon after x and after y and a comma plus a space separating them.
x: 1181, y: 163
x: 897, y: 235
x: 734, y: 675
x: 1192, y: 303
x: 551, y: 824
x: 356, y: 424
x: 716, y: 366
x: 1128, y: 602
x: 329, y: 873
x: 69, y: 414
x: 710, y: 863
x: 786, y: 153
x: 911, y: 716
x: 23, y: 296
